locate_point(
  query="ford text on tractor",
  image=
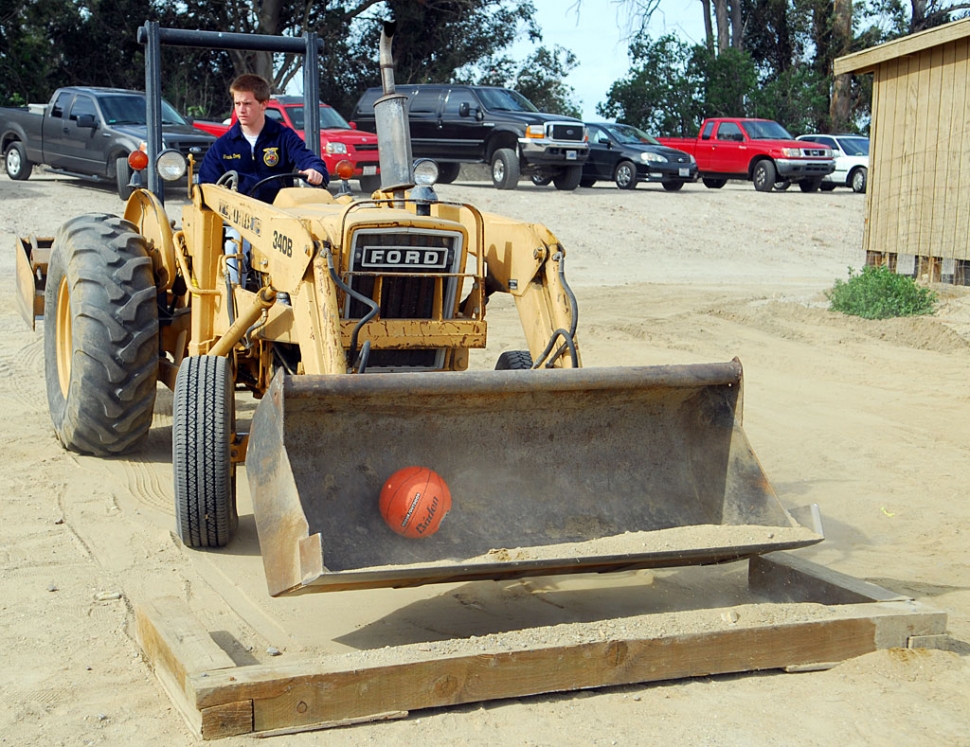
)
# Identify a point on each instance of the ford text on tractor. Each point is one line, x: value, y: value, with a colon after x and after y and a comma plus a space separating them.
x: 353, y: 330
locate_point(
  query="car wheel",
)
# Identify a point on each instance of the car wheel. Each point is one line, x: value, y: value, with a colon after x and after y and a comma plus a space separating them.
x: 714, y: 183
x: 763, y: 176
x: 827, y: 186
x: 505, y: 169
x: 100, y: 335
x: 448, y: 172
x: 782, y: 185
x: 123, y: 176
x: 809, y: 185
x: 587, y: 183
x: 625, y: 175
x: 16, y: 163
x: 672, y: 186
x: 540, y: 180
x: 859, y: 179
x: 369, y: 184
x: 568, y: 178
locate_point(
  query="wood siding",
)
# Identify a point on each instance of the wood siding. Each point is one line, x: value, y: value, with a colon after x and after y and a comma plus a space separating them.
x: 918, y: 197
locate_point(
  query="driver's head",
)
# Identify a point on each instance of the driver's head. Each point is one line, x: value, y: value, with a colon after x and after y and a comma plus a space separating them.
x: 249, y: 96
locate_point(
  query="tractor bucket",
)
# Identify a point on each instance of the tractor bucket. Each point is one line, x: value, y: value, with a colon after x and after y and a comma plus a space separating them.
x: 550, y: 471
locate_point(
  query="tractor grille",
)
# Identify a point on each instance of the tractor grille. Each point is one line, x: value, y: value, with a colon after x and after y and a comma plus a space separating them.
x: 567, y: 131
x: 397, y: 269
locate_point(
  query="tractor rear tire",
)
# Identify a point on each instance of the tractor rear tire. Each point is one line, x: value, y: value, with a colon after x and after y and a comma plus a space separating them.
x: 100, y: 335
x: 204, y: 475
x: 514, y: 360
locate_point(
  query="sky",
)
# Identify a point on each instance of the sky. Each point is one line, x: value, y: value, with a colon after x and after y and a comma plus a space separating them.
x: 599, y: 40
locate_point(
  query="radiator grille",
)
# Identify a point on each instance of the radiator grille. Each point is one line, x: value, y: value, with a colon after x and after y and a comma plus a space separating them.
x: 567, y: 131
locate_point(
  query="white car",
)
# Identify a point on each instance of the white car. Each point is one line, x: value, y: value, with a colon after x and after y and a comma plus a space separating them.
x: 851, y: 161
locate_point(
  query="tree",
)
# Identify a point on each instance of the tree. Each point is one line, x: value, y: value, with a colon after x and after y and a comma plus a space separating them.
x: 539, y: 78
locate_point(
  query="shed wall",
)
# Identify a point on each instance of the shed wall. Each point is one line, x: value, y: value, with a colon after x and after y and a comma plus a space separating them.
x: 918, y: 201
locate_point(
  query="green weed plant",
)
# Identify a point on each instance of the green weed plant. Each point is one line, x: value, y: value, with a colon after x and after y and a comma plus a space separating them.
x: 879, y: 293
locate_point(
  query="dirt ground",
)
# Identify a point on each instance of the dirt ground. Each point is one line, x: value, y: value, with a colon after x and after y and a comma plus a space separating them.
x: 869, y: 420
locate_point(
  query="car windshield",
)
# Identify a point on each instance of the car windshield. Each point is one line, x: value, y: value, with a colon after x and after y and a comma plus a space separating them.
x: 329, y: 119
x: 124, y: 109
x: 630, y: 134
x: 855, y: 146
x: 502, y: 99
x: 765, y: 130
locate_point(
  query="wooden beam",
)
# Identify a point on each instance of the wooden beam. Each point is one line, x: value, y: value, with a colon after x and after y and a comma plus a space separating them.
x: 867, y: 59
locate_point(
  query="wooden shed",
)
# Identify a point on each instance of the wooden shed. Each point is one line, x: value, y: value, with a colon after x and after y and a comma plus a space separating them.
x: 918, y: 198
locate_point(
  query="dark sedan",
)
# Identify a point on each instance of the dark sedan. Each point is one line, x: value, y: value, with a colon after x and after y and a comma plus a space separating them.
x: 627, y: 155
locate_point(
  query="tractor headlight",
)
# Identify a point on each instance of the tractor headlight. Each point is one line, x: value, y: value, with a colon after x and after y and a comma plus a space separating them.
x: 171, y: 165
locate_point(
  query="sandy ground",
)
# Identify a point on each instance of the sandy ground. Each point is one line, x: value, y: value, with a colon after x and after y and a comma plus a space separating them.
x: 869, y: 420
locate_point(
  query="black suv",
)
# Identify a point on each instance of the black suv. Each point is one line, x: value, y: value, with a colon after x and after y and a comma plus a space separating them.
x: 455, y: 124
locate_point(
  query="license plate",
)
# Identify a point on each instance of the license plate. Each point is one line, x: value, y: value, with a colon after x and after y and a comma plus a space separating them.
x: 684, y: 172
x: 370, y: 170
x: 570, y: 155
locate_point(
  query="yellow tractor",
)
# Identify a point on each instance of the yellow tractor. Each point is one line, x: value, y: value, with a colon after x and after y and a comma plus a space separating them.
x: 353, y: 329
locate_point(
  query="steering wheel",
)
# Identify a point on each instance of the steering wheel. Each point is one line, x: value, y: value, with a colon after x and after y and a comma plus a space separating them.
x: 230, y: 180
x: 290, y: 175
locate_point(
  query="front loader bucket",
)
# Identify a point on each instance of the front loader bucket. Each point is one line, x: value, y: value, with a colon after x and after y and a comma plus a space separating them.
x: 551, y: 471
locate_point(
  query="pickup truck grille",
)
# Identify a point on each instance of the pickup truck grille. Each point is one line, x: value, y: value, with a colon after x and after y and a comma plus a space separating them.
x: 365, y: 146
x: 398, y: 270
x: 197, y: 149
x: 566, y: 131
x: 814, y: 153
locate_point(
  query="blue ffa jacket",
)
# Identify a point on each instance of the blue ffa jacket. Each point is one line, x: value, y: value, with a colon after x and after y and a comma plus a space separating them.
x: 279, y: 150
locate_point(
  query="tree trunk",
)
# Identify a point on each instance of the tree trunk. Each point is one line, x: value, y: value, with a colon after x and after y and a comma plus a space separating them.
x: 708, y: 29
x: 723, y: 27
x: 840, y: 106
x: 737, y: 25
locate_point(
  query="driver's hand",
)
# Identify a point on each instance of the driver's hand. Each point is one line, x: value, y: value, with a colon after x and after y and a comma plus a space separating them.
x: 313, y: 176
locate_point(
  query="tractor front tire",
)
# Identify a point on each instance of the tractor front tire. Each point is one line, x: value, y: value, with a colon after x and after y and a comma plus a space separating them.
x: 514, y: 360
x: 100, y: 335
x: 204, y: 474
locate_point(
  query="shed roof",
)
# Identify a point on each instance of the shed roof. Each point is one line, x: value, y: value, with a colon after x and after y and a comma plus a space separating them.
x: 866, y: 60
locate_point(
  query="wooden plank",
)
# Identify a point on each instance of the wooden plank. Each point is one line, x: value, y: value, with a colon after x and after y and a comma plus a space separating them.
x: 928, y: 103
x: 867, y: 59
x: 227, y: 720
x: 296, y: 694
x: 952, y: 122
x: 178, y: 646
x: 961, y: 145
x: 882, y: 198
x: 222, y: 699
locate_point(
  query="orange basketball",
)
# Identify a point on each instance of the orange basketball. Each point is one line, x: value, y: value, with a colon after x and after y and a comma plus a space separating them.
x: 414, y: 500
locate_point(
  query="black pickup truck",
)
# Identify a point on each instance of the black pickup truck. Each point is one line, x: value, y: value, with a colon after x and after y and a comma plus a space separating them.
x: 88, y: 132
x: 455, y: 124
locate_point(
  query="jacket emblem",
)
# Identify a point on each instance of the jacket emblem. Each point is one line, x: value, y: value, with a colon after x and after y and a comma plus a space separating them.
x: 271, y: 156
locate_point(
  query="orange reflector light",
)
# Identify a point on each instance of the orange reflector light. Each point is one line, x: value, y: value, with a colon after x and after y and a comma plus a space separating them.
x: 345, y: 169
x: 138, y: 160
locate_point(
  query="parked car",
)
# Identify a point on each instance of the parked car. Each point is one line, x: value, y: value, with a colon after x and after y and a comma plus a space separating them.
x: 339, y: 141
x: 456, y: 124
x: 851, y: 161
x: 627, y: 155
x: 757, y: 150
x: 88, y: 132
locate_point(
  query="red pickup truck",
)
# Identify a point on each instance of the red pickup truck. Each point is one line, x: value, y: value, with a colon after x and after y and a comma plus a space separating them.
x: 756, y: 150
x: 339, y: 141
